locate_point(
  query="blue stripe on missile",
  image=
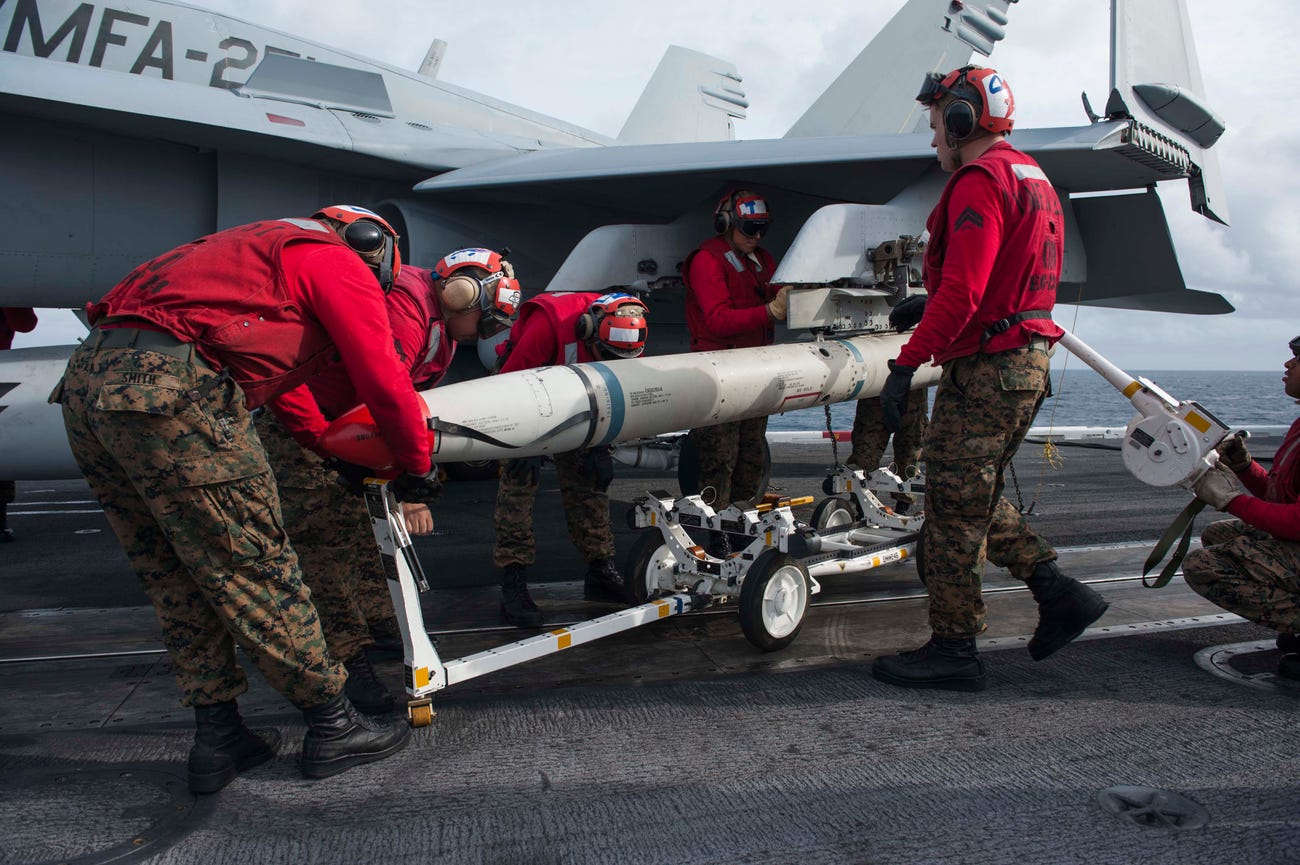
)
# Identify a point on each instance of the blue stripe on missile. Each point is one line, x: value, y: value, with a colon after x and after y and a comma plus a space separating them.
x: 617, y: 402
x: 857, y: 355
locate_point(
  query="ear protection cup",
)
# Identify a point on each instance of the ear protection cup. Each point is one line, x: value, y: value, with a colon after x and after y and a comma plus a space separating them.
x: 364, y: 236
x: 959, y: 119
x: 369, y: 235
x: 461, y: 292
x: 585, y: 327
x: 722, y: 218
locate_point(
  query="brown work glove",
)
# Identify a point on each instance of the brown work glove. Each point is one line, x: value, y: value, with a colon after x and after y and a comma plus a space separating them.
x: 1217, y: 487
x: 1233, y: 453
x: 778, y: 305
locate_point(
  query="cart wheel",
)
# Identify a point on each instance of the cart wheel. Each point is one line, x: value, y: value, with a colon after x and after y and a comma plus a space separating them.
x: 651, y: 561
x: 832, y: 513
x: 420, y: 713
x: 773, y: 600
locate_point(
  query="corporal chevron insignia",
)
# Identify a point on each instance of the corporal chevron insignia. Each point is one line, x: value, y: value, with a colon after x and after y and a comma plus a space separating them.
x: 968, y: 217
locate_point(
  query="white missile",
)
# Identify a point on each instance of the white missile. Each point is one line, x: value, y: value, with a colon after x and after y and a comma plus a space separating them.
x: 557, y: 409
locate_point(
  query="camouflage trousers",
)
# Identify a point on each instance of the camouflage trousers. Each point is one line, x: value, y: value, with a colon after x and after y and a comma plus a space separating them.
x: 331, y: 533
x: 870, y: 438
x: 1249, y: 572
x: 586, y: 510
x: 170, y: 451
x: 982, y: 410
x: 731, y: 459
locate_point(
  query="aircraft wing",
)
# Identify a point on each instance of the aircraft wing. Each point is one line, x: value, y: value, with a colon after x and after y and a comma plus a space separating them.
x: 660, y: 182
x: 677, y: 183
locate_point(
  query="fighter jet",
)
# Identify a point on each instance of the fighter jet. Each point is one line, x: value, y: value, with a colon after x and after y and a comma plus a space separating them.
x: 132, y: 132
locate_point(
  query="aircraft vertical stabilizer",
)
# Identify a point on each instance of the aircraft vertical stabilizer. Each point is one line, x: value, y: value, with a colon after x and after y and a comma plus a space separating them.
x: 924, y: 36
x: 690, y: 97
x: 1156, y: 79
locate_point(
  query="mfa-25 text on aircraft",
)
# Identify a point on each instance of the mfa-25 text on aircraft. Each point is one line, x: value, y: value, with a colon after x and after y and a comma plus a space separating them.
x: 135, y: 131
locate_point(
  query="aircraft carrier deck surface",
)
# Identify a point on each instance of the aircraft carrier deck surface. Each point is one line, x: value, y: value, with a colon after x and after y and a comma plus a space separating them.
x: 1160, y: 737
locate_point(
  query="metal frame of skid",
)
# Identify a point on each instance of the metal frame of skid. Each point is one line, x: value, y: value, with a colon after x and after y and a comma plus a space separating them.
x: 857, y: 534
x: 426, y: 672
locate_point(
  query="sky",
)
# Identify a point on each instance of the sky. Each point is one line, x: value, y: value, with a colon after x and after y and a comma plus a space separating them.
x: 586, y: 61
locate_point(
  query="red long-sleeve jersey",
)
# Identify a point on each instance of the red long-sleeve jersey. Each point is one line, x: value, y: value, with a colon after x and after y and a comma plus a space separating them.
x: 996, y: 239
x: 1274, y: 501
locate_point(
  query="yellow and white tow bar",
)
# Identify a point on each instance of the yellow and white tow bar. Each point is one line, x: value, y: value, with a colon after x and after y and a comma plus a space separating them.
x: 426, y: 672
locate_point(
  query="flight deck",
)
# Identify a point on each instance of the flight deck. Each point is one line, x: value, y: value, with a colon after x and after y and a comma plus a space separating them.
x: 1160, y: 736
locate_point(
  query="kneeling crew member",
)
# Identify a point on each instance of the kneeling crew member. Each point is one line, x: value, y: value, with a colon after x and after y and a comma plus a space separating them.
x: 1250, y: 564
x: 157, y: 406
x: 563, y: 329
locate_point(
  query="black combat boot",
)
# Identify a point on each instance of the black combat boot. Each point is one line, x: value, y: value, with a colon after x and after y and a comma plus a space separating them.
x: 604, y: 583
x: 950, y: 663
x: 1288, y: 644
x: 386, y: 640
x: 1066, y: 607
x: 364, y: 688
x: 1288, y: 667
x: 224, y: 747
x: 339, y: 737
x: 517, y: 607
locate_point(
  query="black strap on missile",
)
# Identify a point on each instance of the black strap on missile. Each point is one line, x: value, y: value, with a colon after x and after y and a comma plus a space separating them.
x: 442, y: 426
x: 1182, y: 524
x: 1002, y: 325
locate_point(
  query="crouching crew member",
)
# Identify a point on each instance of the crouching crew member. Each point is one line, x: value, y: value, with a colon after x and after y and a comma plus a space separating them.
x: 563, y: 329
x: 991, y: 270
x: 473, y: 294
x: 1250, y: 564
x: 156, y: 402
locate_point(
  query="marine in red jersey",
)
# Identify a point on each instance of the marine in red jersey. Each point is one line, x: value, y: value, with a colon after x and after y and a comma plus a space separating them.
x: 157, y: 403
x: 732, y: 303
x: 1250, y: 565
x: 555, y: 329
x: 991, y: 271
x: 471, y: 293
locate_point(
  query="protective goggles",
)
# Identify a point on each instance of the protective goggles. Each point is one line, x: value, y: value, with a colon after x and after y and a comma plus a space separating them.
x: 753, y: 227
x: 932, y: 88
x: 1295, y: 346
x: 492, y: 322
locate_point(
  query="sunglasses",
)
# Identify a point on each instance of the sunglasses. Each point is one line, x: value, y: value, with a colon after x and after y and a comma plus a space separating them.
x: 1295, y: 346
x: 758, y: 227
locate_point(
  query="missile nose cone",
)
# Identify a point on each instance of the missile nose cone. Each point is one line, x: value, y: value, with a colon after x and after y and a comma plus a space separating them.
x: 354, y: 437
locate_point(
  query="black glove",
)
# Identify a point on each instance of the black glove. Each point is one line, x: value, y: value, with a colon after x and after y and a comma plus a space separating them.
x: 599, y: 465
x: 420, y: 489
x: 893, y: 396
x: 350, y: 475
x: 907, y: 314
x: 524, y: 470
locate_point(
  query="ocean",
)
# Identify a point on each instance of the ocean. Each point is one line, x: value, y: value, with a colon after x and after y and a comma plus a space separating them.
x: 1083, y: 398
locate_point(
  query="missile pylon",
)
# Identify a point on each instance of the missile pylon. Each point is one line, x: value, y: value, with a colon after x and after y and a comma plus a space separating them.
x: 557, y: 409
